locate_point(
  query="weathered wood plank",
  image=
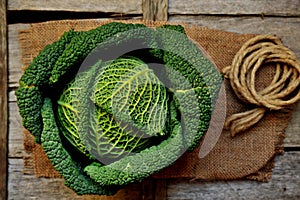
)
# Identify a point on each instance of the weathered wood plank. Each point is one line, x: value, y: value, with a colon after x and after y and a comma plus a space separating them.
x: 285, y: 28
x: 3, y: 100
x: 148, y: 187
x: 293, y: 130
x: 25, y: 186
x: 106, y: 6
x: 15, y: 129
x: 217, y: 7
x: 14, y: 61
x: 155, y: 10
x: 154, y: 189
x: 235, y: 7
x: 285, y: 184
x: 160, y: 192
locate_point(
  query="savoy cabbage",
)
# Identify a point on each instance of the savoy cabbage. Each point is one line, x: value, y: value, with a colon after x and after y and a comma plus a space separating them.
x: 106, y: 114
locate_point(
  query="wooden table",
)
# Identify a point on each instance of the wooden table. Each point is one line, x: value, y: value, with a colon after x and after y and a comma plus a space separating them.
x: 280, y: 17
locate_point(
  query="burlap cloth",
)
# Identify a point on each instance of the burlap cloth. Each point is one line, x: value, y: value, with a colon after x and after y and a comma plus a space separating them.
x: 248, y: 155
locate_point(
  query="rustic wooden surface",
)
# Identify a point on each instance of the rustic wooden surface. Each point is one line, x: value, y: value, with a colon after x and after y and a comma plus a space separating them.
x: 3, y: 100
x: 112, y: 6
x: 155, y: 10
x: 235, y: 7
x: 256, y: 16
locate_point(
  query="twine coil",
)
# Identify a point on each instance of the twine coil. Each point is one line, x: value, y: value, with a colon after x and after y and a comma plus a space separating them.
x: 283, y: 90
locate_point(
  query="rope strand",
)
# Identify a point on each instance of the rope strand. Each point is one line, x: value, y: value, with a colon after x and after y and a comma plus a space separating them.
x: 254, y: 54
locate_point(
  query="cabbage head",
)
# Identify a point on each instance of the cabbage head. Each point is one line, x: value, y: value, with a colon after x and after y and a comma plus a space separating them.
x: 118, y: 103
x: 118, y: 109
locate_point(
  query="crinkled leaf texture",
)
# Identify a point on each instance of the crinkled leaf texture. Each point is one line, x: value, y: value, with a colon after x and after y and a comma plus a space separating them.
x: 119, y: 119
x: 131, y: 108
x: 129, y: 90
x: 128, y: 108
x: 62, y: 160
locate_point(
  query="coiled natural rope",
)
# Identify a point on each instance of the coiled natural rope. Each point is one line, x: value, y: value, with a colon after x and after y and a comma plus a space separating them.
x: 283, y: 90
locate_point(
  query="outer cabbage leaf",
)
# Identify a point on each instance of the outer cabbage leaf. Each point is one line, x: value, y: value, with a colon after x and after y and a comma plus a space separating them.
x: 36, y: 79
x: 191, y: 75
x: 62, y: 160
x: 81, y: 46
x: 30, y: 101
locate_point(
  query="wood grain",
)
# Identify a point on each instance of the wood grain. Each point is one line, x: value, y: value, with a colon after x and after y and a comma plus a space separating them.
x: 160, y: 192
x: 235, y: 7
x: 256, y: 16
x: 106, y: 6
x: 293, y: 129
x: 3, y: 100
x: 14, y: 61
x: 285, y: 28
x: 25, y: 186
x: 285, y: 184
x: 15, y: 129
x: 155, y: 10
x: 176, y: 7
